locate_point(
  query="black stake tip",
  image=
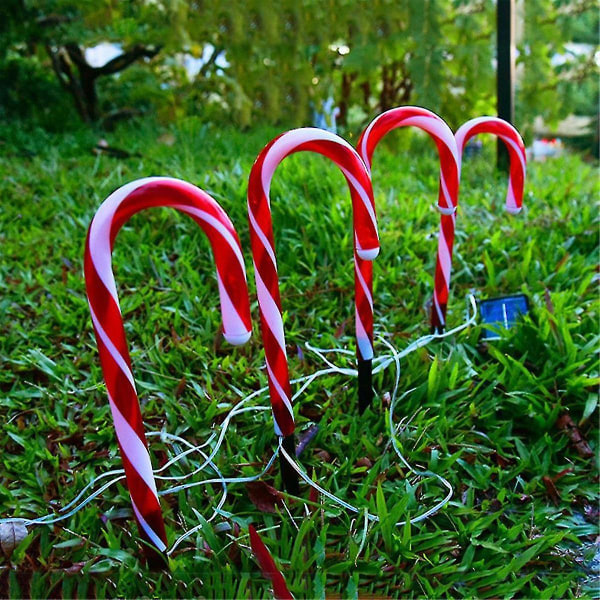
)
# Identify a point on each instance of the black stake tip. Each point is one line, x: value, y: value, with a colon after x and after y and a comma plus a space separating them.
x: 365, y: 384
x: 288, y: 474
x: 155, y: 559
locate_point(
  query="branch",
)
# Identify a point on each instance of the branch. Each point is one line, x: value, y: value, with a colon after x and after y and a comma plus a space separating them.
x: 52, y: 19
x: 56, y: 66
x: 213, y: 57
x: 124, y: 60
x: 61, y: 64
x: 77, y: 55
x: 574, y: 9
x: 467, y: 10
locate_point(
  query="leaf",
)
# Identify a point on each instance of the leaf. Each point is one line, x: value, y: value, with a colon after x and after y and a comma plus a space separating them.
x: 433, y: 380
x: 385, y: 523
x: 306, y: 438
x: 72, y: 543
x: 263, y: 496
x: 180, y: 387
x: 75, y: 568
x: 551, y: 490
x: 568, y: 427
x: 339, y: 332
x: 11, y: 535
x: 590, y: 406
x: 267, y: 566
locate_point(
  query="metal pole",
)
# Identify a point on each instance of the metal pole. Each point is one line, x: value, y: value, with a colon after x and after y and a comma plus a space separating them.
x: 505, y: 74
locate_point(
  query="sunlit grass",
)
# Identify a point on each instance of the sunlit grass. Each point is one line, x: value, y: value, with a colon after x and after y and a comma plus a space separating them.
x: 484, y: 416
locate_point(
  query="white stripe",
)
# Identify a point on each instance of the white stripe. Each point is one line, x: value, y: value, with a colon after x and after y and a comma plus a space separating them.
x: 112, y: 349
x: 364, y: 197
x: 234, y: 329
x: 517, y: 150
x: 362, y: 339
x: 281, y: 148
x: 147, y: 529
x: 363, y: 146
x: 262, y: 237
x: 463, y: 132
x: 461, y: 138
x: 363, y: 284
x: 450, y: 208
x: 437, y: 127
x: 270, y: 311
x: 287, y: 143
x: 133, y: 447
x: 438, y: 310
x: 99, y: 238
x: 216, y: 224
x: 444, y: 257
x: 511, y: 203
x: 280, y: 391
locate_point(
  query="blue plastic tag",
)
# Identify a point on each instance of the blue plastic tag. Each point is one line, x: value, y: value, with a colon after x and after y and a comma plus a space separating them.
x: 502, y: 313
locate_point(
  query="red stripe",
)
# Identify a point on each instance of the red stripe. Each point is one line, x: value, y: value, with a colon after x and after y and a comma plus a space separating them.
x: 258, y: 206
x: 154, y: 194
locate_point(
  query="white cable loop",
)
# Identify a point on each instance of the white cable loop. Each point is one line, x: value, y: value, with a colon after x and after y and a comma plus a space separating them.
x: 382, y: 362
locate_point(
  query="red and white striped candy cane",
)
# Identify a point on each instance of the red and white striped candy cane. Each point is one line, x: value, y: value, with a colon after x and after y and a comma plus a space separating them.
x: 514, y: 197
x: 366, y: 243
x: 108, y: 322
x: 428, y: 121
x: 516, y: 151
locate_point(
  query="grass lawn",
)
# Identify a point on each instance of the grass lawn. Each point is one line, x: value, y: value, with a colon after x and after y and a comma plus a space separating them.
x: 523, y: 518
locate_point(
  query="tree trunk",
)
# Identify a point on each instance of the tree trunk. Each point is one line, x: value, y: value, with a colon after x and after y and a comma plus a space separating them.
x: 396, y: 86
x: 365, y: 86
x: 82, y: 85
x: 347, y: 80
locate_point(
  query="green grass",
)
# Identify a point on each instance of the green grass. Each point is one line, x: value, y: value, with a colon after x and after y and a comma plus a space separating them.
x: 484, y: 416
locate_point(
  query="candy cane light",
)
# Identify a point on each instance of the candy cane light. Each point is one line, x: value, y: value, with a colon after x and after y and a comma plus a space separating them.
x: 516, y: 179
x: 516, y: 151
x: 414, y: 116
x: 366, y: 247
x: 108, y: 322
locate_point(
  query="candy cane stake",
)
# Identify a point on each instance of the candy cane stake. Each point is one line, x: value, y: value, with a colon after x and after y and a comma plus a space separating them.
x: 448, y: 190
x: 110, y: 334
x: 514, y: 197
x: 366, y: 246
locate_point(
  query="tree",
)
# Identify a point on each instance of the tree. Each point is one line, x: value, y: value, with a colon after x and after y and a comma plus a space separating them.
x: 277, y: 62
x: 62, y: 30
x: 555, y: 80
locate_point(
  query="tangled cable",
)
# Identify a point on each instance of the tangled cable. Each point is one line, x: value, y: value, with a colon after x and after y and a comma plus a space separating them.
x: 381, y: 363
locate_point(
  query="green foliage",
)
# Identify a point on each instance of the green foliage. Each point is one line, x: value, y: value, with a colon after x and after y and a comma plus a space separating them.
x: 482, y: 416
x: 556, y: 90
x: 29, y: 78
x: 283, y: 60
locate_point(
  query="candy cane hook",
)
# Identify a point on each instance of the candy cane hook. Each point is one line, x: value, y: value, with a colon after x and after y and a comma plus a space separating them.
x: 366, y: 245
x: 516, y: 150
x: 514, y: 196
x: 448, y: 190
x: 108, y: 322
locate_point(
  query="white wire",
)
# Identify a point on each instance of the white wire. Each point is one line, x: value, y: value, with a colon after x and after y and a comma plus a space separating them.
x: 383, y: 362
x: 395, y: 358
x: 51, y: 518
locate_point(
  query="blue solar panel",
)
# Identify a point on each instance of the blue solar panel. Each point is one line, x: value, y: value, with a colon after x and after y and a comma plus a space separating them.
x: 502, y: 313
